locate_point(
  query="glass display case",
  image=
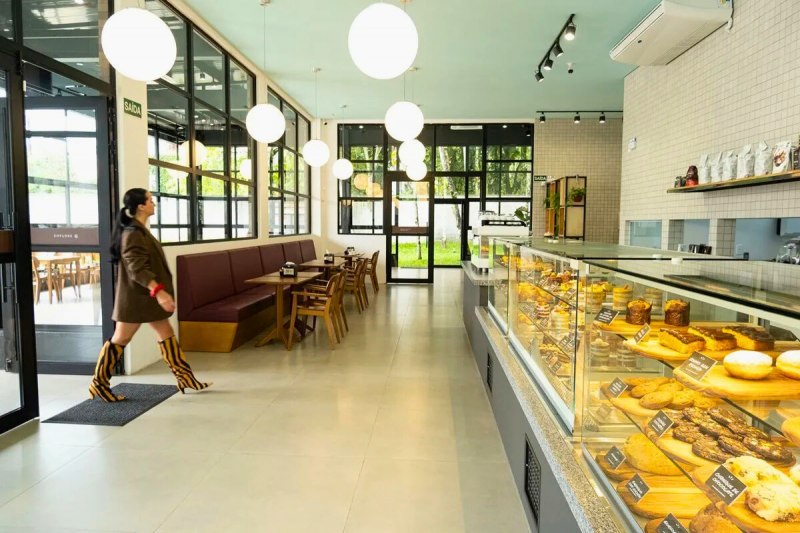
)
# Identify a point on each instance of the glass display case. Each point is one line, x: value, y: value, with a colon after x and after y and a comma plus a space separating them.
x: 688, y: 393
x: 500, y: 253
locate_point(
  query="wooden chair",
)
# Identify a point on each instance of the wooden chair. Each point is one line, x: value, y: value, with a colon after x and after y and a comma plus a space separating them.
x: 355, y: 284
x: 372, y: 271
x: 339, y: 312
x: 317, y: 304
x: 39, y: 279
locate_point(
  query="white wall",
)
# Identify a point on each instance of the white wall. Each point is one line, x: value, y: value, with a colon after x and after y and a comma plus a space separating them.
x: 134, y: 167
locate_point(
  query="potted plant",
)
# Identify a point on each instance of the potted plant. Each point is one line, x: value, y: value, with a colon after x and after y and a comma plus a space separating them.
x: 524, y: 214
x: 553, y: 201
x: 577, y: 194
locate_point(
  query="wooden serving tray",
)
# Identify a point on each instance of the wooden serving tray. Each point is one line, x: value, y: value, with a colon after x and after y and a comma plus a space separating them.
x: 661, y: 501
x: 678, y: 450
x: 627, y: 403
x: 718, y: 383
x: 654, y: 350
x: 652, y: 525
x: 618, y: 325
x: 746, y: 520
x: 791, y: 429
x: 626, y: 472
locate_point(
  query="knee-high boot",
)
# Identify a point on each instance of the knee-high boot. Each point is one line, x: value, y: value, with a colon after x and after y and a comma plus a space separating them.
x: 177, y: 362
x: 101, y: 382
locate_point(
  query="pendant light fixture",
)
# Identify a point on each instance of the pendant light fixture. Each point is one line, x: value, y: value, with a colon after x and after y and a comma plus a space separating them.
x: 577, y: 119
x: 404, y: 120
x: 416, y: 170
x: 316, y: 153
x: 342, y: 169
x: 199, y: 153
x: 265, y: 122
x: 246, y: 169
x: 139, y: 44
x: 383, y: 41
x: 410, y: 151
x: 603, y: 117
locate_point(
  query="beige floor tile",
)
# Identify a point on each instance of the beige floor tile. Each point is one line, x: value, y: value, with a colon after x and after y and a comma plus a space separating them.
x: 415, y: 365
x: 434, y: 393
x: 49, y: 529
x: 315, y: 430
x: 413, y: 434
x: 57, y: 434
x: 489, y: 499
x: 110, y: 490
x: 247, y: 493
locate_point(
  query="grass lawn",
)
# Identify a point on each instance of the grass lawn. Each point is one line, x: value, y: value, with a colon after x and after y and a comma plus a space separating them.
x: 450, y: 254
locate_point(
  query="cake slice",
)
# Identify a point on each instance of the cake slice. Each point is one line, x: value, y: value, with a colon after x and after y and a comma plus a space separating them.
x: 716, y: 339
x: 679, y: 341
x: 751, y: 338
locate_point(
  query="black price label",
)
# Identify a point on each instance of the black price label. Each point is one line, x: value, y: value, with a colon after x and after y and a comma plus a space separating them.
x: 725, y: 485
x: 641, y: 334
x: 606, y: 316
x: 617, y: 387
x: 637, y: 487
x: 568, y: 342
x: 544, y: 321
x: 615, y: 457
x: 698, y: 366
x: 660, y: 423
x: 543, y: 282
x: 570, y: 294
x: 604, y: 412
x: 671, y: 525
x: 557, y: 366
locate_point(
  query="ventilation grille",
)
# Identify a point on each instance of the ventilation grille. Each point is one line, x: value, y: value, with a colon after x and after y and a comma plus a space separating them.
x: 533, y: 481
x: 489, y: 371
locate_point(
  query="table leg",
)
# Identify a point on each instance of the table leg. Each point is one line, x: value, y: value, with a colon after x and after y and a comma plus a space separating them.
x: 49, y: 281
x: 278, y: 332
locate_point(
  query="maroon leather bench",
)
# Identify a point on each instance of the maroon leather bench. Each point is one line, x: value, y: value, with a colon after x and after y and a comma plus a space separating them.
x: 217, y: 310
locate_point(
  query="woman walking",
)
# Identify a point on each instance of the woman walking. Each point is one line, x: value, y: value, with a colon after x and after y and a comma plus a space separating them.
x: 144, y: 295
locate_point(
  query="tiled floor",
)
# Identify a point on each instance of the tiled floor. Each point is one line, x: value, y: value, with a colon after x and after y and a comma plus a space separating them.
x: 392, y: 432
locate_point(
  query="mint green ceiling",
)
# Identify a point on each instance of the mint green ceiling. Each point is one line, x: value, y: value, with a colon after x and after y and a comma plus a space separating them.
x: 476, y: 58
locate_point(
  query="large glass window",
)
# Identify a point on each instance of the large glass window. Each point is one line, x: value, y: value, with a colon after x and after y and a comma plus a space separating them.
x: 202, y: 161
x: 289, y: 176
x: 361, y: 197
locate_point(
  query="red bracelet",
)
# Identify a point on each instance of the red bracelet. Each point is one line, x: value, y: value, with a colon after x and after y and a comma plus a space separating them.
x: 155, y: 290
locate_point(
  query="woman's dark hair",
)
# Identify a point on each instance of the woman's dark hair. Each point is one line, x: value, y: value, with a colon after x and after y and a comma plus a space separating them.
x: 130, y: 202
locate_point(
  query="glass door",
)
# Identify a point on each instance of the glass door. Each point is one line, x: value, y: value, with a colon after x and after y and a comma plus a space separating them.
x: 18, y: 387
x: 408, y: 229
x: 456, y: 207
x: 66, y: 129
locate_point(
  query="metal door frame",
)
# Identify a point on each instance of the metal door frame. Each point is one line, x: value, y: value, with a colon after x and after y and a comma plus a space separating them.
x: 391, y: 177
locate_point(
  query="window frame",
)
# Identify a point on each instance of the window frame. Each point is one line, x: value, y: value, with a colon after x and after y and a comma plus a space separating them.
x: 281, y: 192
x: 195, y: 174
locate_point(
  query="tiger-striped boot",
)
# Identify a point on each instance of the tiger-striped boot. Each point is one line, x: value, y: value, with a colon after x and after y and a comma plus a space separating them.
x: 176, y: 360
x: 101, y: 382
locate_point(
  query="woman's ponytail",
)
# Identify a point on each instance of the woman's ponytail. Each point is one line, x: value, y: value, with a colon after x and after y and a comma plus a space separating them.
x: 130, y: 202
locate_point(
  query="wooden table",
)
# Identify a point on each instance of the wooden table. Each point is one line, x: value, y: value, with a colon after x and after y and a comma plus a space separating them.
x: 349, y: 257
x: 48, y: 263
x: 325, y: 268
x: 280, y: 332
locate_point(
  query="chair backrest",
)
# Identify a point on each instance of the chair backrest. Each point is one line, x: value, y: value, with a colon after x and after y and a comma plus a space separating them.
x: 375, y: 258
x: 35, y: 263
x: 333, y: 285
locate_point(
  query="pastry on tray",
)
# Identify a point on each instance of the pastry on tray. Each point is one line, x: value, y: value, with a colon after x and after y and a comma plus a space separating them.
x: 767, y: 449
x: 638, y: 312
x: 656, y: 299
x: 708, y: 448
x: 687, y: 432
x: 600, y: 351
x: 789, y: 364
x: 712, y: 520
x: 746, y: 364
x: 679, y: 341
x: 716, y: 340
x: 774, y: 502
x: 794, y: 474
x: 656, y: 400
x: 752, y: 471
x: 751, y: 338
x: 622, y: 295
x: 643, y: 454
x: 676, y: 313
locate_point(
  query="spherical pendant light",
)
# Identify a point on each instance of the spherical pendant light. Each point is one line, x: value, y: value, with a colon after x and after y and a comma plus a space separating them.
x: 342, y: 169
x: 404, y: 121
x: 361, y: 182
x: 199, y: 153
x: 316, y: 153
x: 383, y: 41
x: 412, y: 150
x: 265, y: 123
x: 139, y: 44
x: 416, y: 170
x: 246, y: 169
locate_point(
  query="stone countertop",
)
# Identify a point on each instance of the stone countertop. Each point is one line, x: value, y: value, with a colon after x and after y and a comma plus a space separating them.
x: 477, y: 278
x: 590, y: 512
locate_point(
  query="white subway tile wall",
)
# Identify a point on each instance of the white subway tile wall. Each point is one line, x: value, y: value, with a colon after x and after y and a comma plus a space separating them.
x: 563, y: 148
x: 730, y: 90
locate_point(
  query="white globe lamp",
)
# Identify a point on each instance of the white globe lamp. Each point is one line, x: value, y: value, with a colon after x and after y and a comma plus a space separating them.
x: 412, y: 150
x: 404, y: 121
x: 265, y: 123
x: 383, y: 41
x: 416, y: 170
x: 316, y: 153
x: 342, y: 169
x: 139, y: 44
x: 199, y: 153
x: 246, y: 169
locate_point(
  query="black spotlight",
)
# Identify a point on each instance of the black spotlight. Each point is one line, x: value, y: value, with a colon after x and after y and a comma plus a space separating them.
x: 539, y: 77
x: 577, y: 118
x: 557, y: 50
x: 602, y: 118
x: 569, y: 33
x: 548, y: 64
x: 542, y: 119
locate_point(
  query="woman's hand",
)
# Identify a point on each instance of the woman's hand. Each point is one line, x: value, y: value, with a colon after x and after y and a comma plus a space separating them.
x: 165, y: 301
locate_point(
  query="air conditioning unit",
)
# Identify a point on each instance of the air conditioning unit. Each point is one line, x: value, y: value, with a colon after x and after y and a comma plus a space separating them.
x: 671, y: 29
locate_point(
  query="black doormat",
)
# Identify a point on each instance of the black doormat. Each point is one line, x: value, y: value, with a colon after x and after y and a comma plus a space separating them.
x: 138, y: 400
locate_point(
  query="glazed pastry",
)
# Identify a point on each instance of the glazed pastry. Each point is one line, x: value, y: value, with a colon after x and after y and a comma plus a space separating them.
x: 742, y: 430
x: 656, y: 400
x: 752, y: 471
x: 774, y: 502
x: 789, y: 364
x: 687, y: 432
x: 751, y: 338
x: 768, y: 450
x: 679, y: 341
x: 643, y: 454
x: 712, y: 520
x: 722, y: 416
x: 641, y: 390
x: 622, y: 295
x: 716, y: 339
x: 676, y: 313
x: 708, y: 449
x: 638, y: 312
x: 735, y: 446
x: 656, y: 299
x: 748, y: 365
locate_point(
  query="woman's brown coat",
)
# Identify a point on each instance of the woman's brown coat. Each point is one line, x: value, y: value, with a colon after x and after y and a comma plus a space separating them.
x: 142, y: 261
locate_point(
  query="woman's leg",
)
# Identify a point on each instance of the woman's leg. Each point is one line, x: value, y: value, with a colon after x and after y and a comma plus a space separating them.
x: 109, y: 356
x: 175, y: 358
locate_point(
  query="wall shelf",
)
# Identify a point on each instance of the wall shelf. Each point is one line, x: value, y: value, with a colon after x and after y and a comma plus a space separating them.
x: 766, y: 179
